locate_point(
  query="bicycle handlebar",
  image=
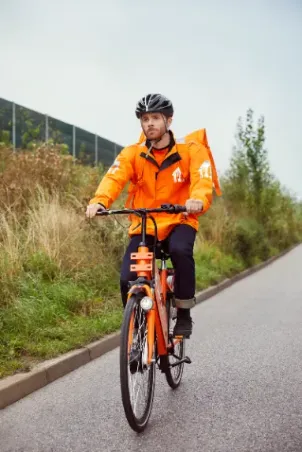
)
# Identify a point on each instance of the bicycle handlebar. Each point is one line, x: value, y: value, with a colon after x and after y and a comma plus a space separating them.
x: 168, y: 208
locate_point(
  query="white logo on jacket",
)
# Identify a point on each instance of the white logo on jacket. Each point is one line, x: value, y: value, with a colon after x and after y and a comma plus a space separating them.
x: 205, y: 170
x: 177, y: 175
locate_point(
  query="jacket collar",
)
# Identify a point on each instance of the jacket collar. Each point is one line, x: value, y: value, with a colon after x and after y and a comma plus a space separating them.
x: 171, y: 157
x: 170, y: 146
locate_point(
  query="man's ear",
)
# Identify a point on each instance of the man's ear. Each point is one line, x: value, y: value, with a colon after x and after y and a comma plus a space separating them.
x: 169, y: 122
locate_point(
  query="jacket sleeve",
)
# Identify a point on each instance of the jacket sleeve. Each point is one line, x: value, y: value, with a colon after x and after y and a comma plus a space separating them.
x: 201, y: 186
x: 112, y: 184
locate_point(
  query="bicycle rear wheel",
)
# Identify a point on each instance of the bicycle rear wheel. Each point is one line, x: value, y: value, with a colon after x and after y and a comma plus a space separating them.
x: 137, y: 378
x: 174, y: 374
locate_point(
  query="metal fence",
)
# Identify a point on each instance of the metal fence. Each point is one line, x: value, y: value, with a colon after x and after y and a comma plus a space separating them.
x: 23, y: 127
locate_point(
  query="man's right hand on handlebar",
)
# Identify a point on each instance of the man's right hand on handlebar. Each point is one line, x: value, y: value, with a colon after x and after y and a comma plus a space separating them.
x: 92, y: 210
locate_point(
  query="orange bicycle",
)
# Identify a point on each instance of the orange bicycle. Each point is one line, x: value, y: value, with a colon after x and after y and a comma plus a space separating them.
x: 147, y: 329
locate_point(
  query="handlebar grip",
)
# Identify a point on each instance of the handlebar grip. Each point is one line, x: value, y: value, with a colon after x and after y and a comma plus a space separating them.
x: 174, y: 208
x: 102, y: 212
x: 179, y: 209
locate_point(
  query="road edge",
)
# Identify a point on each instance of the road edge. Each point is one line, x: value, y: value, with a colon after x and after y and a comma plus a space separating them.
x: 15, y: 387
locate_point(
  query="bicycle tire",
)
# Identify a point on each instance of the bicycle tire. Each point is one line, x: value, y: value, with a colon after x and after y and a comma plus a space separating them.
x: 138, y: 424
x: 174, y: 379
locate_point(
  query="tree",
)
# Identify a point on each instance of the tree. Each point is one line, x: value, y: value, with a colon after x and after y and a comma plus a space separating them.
x: 249, y: 173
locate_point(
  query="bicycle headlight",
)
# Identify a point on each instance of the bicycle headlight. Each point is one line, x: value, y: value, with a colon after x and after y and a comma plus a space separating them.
x: 146, y: 303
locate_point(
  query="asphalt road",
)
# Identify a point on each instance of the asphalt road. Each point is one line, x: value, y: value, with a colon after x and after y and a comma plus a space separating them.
x: 243, y: 391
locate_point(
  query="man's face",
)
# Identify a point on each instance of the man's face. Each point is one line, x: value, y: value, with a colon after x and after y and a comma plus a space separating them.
x: 154, y: 125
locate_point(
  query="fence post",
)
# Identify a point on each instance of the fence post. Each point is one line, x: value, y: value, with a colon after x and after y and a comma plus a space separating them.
x: 46, y: 129
x: 14, y: 125
x: 74, y: 142
x: 96, y: 149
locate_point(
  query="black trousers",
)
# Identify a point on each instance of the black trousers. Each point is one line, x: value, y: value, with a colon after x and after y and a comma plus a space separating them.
x: 180, y: 245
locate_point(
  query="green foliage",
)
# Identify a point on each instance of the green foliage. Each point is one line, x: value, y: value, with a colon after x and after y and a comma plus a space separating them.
x: 264, y: 214
x: 59, y: 273
x: 64, y: 149
x: 249, y: 241
x: 29, y: 138
x: 56, y: 137
x: 4, y: 138
x: 5, y: 124
x: 30, y: 130
x: 82, y: 151
x: 41, y: 265
x: 249, y: 167
x: 51, y: 318
x: 212, y: 266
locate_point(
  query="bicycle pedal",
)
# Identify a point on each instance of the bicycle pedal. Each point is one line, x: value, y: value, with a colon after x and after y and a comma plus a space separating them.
x: 182, y: 337
x: 185, y: 360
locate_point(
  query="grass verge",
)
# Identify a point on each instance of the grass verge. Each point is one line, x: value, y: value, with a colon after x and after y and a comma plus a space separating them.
x: 53, y: 316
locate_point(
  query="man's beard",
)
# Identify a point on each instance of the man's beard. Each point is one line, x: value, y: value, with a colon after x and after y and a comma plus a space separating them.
x: 155, y: 134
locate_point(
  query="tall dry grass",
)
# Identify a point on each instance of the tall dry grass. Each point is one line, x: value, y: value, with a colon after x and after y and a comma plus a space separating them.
x: 43, y: 196
x: 59, y: 272
x: 24, y: 172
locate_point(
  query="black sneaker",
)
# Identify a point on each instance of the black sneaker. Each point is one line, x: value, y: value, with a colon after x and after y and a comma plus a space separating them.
x: 183, y: 327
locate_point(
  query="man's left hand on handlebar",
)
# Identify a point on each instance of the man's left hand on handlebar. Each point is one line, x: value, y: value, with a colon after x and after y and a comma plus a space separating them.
x: 193, y: 206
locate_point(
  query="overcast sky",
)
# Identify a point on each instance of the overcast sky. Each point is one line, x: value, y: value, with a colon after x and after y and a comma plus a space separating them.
x: 88, y: 62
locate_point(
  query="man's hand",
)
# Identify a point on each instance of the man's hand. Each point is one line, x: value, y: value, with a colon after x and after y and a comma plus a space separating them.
x: 92, y: 210
x: 194, y: 206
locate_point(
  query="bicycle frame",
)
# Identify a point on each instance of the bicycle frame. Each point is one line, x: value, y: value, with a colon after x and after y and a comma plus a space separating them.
x: 147, y: 271
x: 157, y: 319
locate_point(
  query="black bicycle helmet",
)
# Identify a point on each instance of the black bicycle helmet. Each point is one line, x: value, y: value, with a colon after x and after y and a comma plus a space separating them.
x: 154, y: 103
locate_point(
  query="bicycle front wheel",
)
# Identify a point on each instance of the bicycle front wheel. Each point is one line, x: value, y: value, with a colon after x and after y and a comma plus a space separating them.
x: 137, y: 377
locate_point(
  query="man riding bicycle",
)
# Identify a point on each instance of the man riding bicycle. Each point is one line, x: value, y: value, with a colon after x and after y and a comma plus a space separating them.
x: 161, y: 170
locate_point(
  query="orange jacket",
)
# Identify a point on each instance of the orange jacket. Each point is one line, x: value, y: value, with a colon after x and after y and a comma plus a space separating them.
x: 185, y: 173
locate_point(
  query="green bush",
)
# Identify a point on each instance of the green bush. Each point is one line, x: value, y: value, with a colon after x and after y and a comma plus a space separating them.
x: 249, y: 241
x: 4, y: 138
x: 212, y: 265
x: 41, y: 265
